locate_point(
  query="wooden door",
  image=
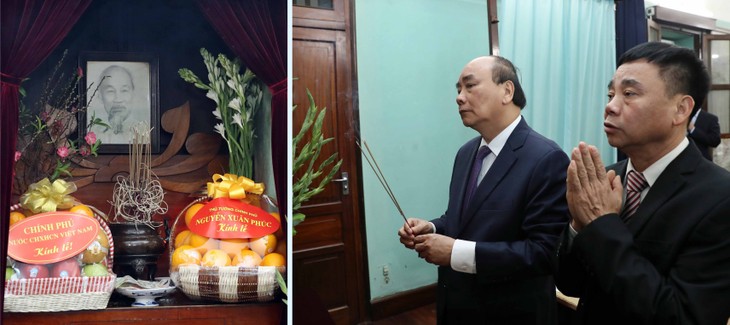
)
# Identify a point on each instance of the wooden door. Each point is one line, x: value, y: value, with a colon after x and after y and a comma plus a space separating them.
x: 328, y: 248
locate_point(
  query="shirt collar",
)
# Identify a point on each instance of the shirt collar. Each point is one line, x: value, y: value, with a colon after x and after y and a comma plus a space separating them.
x: 501, y: 139
x: 652, y: 172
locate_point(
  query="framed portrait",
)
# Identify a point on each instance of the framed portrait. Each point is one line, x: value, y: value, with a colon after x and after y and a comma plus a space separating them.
x: 121, y: 90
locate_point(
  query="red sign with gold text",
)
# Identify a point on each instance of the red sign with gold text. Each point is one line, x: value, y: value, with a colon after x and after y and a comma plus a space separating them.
x: 228, y: 218
x: 51, y: 237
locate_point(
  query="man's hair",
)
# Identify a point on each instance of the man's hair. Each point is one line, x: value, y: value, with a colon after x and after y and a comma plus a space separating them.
x: 502, y: 71
x: 105, y: 73
x: 680, y: 69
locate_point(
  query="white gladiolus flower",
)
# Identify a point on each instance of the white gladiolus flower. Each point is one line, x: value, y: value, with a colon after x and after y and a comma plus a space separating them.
x: 212, y: 95
x: 221, y: 129
x: 236, y: 98
x: 235, y: 104
x: 237, y: 119
x: 217, y: 114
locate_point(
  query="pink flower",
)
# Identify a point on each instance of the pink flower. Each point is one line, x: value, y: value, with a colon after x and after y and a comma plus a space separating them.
x: 62, y: 152
x: 17, y: 156
x: 85, y: 150
x: 80, y: 72
x: 90, y: 138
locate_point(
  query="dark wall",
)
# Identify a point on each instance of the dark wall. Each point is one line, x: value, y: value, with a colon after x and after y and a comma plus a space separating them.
x: 172, y: 30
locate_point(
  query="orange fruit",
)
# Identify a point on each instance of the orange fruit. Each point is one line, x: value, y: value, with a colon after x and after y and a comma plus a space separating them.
x: 97, y: 250
x: 192, y: 210
x: 233, y: 245
x: 82, y: 209
x: 215, y: 257
x: 185, y: 255
x: 273, y: 259
x: 246, y: 258
x: 16, y: 216
x: 263, y: 245
x: 183, y: 238
x: 202, y: 243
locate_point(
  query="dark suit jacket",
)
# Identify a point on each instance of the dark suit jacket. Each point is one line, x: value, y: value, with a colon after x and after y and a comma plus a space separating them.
x: 669, y: 264
x: 706, y: 133
x: 516, y: 216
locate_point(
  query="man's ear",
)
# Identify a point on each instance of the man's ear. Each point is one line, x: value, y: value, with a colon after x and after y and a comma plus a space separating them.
x: 509, y: 92
x: 683, y: 110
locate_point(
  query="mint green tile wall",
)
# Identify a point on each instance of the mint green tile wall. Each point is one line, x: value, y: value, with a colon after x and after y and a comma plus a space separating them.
x: 409, y: 56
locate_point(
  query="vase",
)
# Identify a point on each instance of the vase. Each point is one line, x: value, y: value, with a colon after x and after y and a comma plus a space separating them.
x: 137, y: 249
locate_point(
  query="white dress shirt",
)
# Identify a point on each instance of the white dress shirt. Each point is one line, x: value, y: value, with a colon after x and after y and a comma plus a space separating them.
x: 463, y: 253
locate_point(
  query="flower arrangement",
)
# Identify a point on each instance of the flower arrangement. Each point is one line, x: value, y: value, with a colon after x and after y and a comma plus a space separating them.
x: 305, y: 157
x: 45, y: 147
x: 237, y: 97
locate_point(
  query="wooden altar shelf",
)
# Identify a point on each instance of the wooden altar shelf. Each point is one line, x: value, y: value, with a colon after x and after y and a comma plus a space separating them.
x: 229, y: 314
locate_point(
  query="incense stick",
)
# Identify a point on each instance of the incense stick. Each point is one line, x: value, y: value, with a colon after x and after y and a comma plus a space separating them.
x: 381, y: 177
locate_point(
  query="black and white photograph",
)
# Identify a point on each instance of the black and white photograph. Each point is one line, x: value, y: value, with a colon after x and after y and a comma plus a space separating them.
x: 120, y: 90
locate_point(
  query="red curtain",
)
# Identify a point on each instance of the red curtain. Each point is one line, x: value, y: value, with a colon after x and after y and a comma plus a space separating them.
x: 256, y: 32
x: 31, y: 30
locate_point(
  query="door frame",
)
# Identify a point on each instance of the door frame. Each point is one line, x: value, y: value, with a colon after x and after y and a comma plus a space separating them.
x: 341, y: 19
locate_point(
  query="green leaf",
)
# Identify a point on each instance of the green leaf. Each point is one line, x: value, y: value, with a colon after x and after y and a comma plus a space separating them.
x: 305, y: 156
x: 282, y: 285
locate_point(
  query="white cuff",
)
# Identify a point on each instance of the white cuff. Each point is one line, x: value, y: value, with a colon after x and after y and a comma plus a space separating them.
x: 433, y: 228
x: 463, y: 256
x: 571, y: 234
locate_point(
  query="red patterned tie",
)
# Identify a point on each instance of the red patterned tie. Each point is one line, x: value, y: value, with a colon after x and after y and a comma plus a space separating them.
x: 635, y: 183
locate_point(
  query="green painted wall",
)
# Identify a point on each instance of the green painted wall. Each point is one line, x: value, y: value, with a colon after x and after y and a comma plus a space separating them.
x: 409, y: 56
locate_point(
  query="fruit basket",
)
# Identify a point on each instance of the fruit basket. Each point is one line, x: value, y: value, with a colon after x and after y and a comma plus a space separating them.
x: 228, y: 250
x: 83, y: 281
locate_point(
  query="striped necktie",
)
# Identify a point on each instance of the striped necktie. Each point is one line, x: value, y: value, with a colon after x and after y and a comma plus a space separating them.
x: 476, y: 168
x: 635, y: 183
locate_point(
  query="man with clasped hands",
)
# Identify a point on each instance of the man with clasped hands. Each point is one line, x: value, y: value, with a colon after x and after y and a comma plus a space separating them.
x: 649, y: 239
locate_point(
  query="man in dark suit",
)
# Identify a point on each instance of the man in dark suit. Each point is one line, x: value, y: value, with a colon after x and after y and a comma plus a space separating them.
x: 494, y: 252
x: 663, y: 256
x: 704, y: 129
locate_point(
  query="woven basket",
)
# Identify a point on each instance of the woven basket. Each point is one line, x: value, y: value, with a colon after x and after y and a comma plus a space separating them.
x: 62, y: 294
x: 227, y: 283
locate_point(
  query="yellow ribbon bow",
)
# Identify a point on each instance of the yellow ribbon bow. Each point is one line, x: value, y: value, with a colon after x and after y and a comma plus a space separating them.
x: 232, y: 186
x: 44, y: 196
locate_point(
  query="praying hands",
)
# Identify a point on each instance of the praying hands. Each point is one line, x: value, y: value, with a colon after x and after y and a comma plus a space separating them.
x: 591, y: 191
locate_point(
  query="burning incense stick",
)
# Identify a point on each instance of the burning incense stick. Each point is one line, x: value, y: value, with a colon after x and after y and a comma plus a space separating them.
x: 379, y: 174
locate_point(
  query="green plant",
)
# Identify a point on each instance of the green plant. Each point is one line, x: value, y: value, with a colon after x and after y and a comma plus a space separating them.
x: 282, y: 285
x: 237, y: 97
x: 305, y: 158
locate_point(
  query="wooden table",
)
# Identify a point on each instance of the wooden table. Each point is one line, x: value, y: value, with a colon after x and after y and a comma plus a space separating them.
x: 185, y: 312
